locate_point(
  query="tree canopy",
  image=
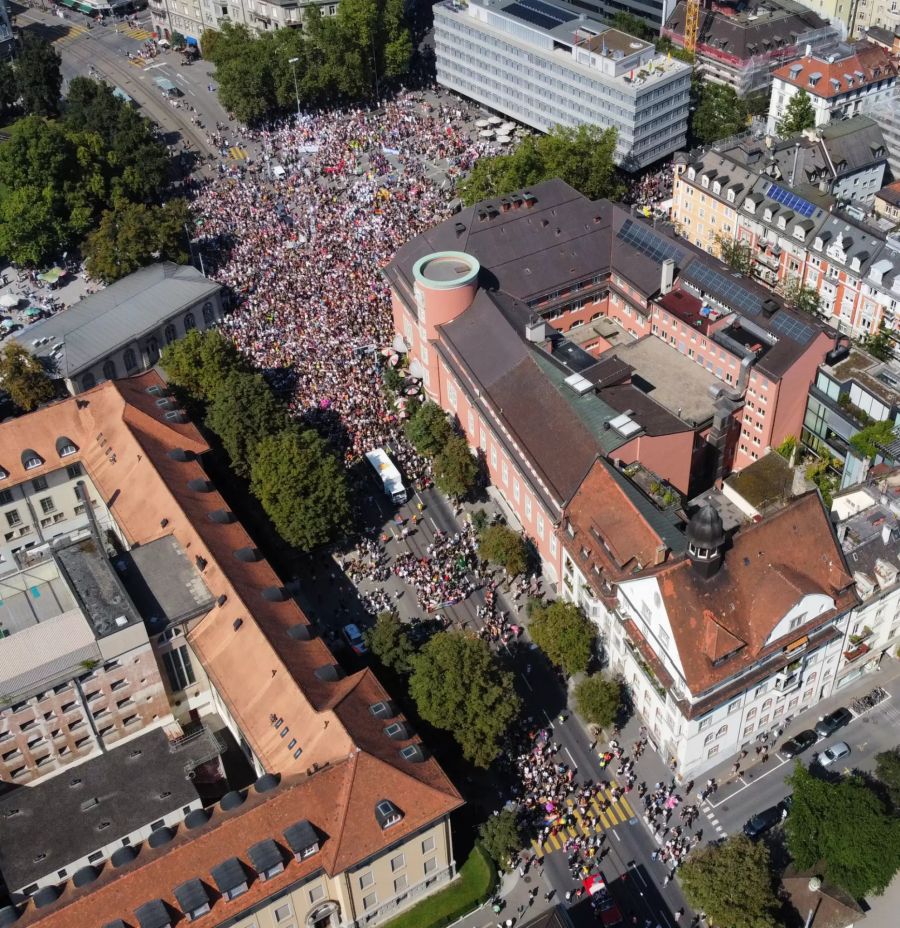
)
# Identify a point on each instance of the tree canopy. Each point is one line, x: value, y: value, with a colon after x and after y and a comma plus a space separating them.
x: 737, y: 255
x: 390, y: 644
x: 718, y: 112
x: 38, y: 76
x: 565, y: 634
x: 598, y: 699
x: 798, y: 115
x: 881, y: 344
x: 868, y: 442
x: 459, y: 686
x: 200, y: 361
x: 500, y: 545
x: 455, y: 470
x: 340, y: 58
x: 845, y: 826
x: 887, y: 769
x: 428, y: 429
x: 798, y: 296
x: 302, y: 487
x: 134, y: 235
x: 732, y: 883
x: 582, y: 157
x: 243, y: 411
x: 23, y: 378
x: 501, y: 838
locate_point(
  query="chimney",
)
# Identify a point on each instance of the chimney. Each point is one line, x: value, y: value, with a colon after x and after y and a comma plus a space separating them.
x: 529, y: 199
x: 536, y: 330
x: 660, y: 555
x: 887, y: 531
x: 666, y: 276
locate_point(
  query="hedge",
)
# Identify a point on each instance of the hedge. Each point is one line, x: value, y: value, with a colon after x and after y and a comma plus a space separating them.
x: 474, y: 885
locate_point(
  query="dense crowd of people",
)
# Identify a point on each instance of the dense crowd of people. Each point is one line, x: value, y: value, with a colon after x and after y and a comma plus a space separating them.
x: 302, y: 241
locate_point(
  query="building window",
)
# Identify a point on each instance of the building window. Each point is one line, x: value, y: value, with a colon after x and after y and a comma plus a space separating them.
x: 209, y: 315
x: 734, y: 706
x: 540, y: 525
x: 47, y: 504
x: 179, y: 669
x: 284, y: 912
x: 366, y: 880
x: 13, y: 517
x: 722, y: 730
x: 451, y: 393
x: 370, y: 901
x: 109, y: 369
x: 398, y: 863
x: 6, y: 497
x: 129, y: 360
x: 189, y: 322
x: 74, y: 470
x: 400, y: 883
x: 713, y: 750
x: 428, y: 845
x: 170, y: 334
x: 39, y: 484
x: 316, y: 893
x: 431, y: 865
x: 709, y: 738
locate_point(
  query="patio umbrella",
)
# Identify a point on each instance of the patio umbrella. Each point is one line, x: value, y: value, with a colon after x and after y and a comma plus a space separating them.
x: 8, y: 324
x: 52, y: 276
x: 9, y: 300
x: 33, y: 311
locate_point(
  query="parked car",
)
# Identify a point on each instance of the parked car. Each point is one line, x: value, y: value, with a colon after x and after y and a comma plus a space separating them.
x: 768, y: 818
x: 829, y: 724
x: 799, y: 743
x: 838, y: 751
x: 353, y: 637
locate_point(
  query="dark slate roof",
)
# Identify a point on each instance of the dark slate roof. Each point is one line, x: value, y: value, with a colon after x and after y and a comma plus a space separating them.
x: 229, y: 874
x: 857, y: 143
x: 300, y: 836
x: 54, y: 818
x: 191, y: 895
x: 264, y: 855
x: 153, y: 914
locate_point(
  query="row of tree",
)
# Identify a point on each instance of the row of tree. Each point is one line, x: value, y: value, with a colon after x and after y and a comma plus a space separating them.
x: 59, y: 177
x: 293, y: 472
x: 456, y: 471
x: 334, y: 59
x: 847, y: 829
x: 31, y: 83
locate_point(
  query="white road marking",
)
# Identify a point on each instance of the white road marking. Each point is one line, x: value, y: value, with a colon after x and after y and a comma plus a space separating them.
x: 715, y: 805
x: 616, y: 834
x: 525, y: 681
x: 571, y: 758
x: 434, y: 524
x: 640, y: 876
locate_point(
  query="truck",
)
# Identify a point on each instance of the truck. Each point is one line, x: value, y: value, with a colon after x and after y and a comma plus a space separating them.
x: 604, y: 906
x: 388, y: 474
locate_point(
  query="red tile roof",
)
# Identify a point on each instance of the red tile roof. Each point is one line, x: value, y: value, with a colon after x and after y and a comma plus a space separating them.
x: 767, y: 569
x: 843, y: 76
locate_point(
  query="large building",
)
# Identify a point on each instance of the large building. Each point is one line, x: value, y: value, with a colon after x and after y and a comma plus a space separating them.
x: 543, y: 64
x: 122, y: 329
x: 741, y: 45
x: 349, y: 818
x: 567, y: 338
x: 796, y: 234
x: 846, y: 82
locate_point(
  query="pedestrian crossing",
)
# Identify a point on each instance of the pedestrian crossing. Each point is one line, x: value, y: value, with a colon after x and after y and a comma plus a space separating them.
x: 239, y: 154
x: 616, y: 813
x: 134, y: 32
x: 71, y: 34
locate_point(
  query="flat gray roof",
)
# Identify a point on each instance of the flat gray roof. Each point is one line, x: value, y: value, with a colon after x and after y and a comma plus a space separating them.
x: 45, y: 827
x: 678, y: 384
x: 111, y: 318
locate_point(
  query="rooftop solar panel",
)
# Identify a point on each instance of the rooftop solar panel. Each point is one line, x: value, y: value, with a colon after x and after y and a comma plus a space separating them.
x: 800, y: 332
x: 791, y: 200
x: 647, y: 242
x: 539, y: 14
x: 724, y: 288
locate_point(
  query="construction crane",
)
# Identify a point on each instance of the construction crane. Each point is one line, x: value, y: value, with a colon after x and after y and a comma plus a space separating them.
x: 691, y: 26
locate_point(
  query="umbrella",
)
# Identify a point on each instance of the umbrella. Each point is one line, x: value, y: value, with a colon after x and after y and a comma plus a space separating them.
x: 399, y: 344
x: 33, y: 311
x: 8, y: 324
x: 52, y: 276
x: 481, y: 123
x: 495, y: 121
x: 503, y: 140
x: 486, y: 133
x: 9, y: 300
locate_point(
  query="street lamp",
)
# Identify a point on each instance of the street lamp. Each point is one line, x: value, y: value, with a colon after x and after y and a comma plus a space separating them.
x: 293, y: 63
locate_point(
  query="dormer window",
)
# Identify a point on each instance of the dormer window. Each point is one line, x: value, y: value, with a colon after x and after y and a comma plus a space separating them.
x: 387, y: 814
x: 3, y: 474
x: 782, y: 222
x: 749, y: 205
x: 65, y: 446
x: 31, y: 459
x: 730, y: 196
x: 704, y: 180
x: 692, y: 174
x: 717, y: 187
x: 302, y: 839
x: 767, y: 214
x: 800, y: 233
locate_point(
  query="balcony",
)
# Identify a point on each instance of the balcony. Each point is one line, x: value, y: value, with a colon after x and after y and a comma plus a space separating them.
x: 854, y: 654
x: 645, y: 669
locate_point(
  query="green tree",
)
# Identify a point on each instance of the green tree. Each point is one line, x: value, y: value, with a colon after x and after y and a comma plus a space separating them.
x: 887, y: 769
x: 9, y: 88
x: 133, y: 235
x: 501, y: 545
x: 598, y: 699
x: 243, y: 411
x: 38, y: 76
x: 845, y: 826
x: 798, y: 115
x: 632, y: 25
x: 582, y: 157
x: 501, y: 838
x: 732, y: 883
x: 459, y: 686
x: 302, y: 487
x: 667, y: 47
x: 428, y: 429
x: 823, y: 473
x: 881, y: 344
x: 799, y: 297
x: 389, y: 642
x: 868, y: 442
x: 23, y: 378
x: 718, y: 112
x: 737, y: 255
x: 200, y: 361
x: 455, y: 470
x: 563, y: 632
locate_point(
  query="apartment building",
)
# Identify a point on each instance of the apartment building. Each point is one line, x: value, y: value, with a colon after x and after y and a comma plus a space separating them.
x: 876, y: 16
x: 844, y: 82
x: 887, y: 202
x: 741, y: 48
x: 349, y: 816
x: 851, y: 391
x: 544, y: 64
x: 794, y: 233
x: 122, y: 329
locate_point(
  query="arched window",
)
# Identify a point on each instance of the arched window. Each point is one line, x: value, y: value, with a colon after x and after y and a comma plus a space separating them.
x: 109, y: 369
x: 721, y: 731
x: 709, y: 738
x: 189, y: 322
x: 129, y: 359
x: 209, y: 315
x: 88, y: 381
x: 152, y: 350
x: 170, y: 334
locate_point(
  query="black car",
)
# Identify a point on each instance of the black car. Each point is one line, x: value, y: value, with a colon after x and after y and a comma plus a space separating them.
x: 768, y: 818
x: 829, y: 724
x: 799, y: 743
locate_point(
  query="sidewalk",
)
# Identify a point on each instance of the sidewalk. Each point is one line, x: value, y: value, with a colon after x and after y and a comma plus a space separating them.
x: 514, y: 891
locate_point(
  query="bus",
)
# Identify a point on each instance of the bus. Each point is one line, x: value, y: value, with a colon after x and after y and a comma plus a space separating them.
x: 387, y: 472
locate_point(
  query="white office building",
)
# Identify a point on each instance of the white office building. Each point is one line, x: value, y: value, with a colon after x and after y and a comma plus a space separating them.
x: 546, y: 64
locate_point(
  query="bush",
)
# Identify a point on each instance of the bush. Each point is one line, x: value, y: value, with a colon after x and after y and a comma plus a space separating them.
x: 503, y: 546
x: 472, y: 888
x: 598, y: 699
